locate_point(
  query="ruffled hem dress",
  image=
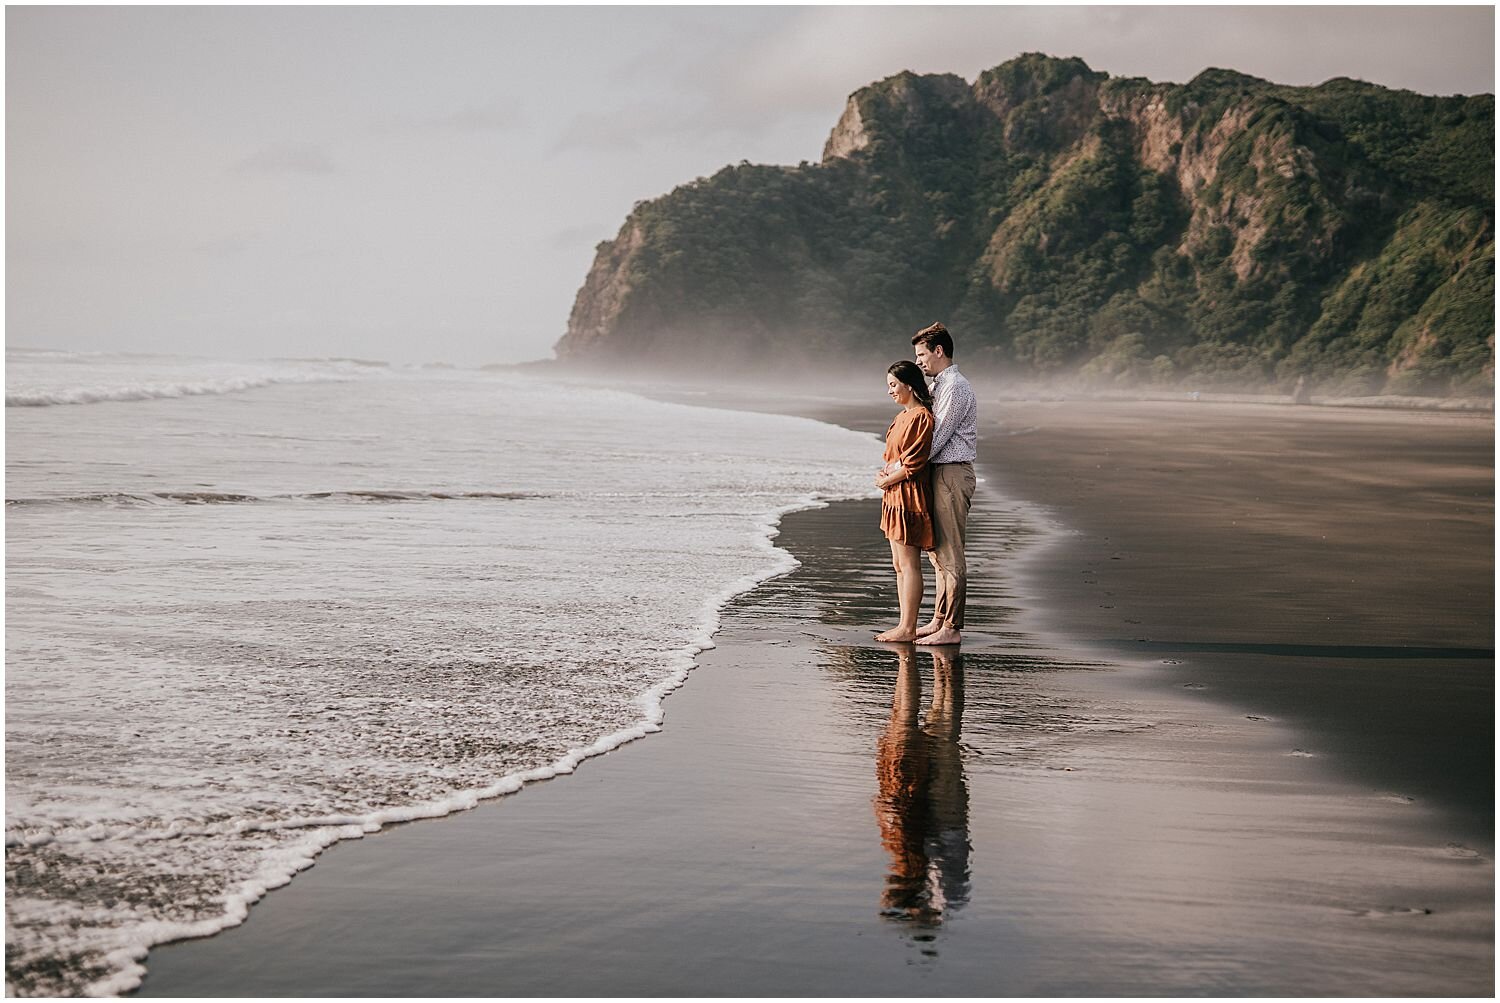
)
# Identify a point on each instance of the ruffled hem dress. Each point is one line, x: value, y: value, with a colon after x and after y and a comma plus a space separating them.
x: 906, y: 509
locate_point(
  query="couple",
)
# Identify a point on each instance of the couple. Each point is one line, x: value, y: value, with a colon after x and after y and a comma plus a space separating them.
x: 928, y: 481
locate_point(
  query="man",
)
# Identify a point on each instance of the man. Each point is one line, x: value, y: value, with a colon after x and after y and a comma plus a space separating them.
x: 953, y: 451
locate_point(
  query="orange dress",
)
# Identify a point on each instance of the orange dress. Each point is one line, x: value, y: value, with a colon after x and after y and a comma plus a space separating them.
x: 906, y: 512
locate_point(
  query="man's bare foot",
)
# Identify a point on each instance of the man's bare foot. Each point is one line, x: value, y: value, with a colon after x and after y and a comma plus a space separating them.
x: 931, y: 627
x: 897, y: 634
x: 947, y: 635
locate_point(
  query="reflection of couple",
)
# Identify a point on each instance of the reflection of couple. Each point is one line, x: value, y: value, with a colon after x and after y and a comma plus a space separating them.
x: 923, y: 804
x: 928, y: 483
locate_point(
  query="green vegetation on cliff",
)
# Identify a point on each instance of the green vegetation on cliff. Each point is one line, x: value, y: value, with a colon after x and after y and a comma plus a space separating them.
x: 1228, y: 231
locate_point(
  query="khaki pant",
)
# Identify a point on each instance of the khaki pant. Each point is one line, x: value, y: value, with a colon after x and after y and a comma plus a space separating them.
x: 952, y: 490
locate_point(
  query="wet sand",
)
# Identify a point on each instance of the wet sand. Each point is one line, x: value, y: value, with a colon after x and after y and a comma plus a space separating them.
x: 1273, y: 783
x: 1330, y: 567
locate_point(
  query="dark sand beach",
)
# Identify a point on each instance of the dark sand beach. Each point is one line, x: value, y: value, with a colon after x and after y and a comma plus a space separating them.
x: 1222, y: 724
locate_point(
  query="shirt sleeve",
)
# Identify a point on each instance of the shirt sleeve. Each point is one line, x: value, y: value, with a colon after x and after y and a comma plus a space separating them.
x: 916, y: 443
x: 955, y: 408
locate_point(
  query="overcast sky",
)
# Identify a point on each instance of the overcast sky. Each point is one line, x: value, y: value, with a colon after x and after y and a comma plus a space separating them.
x: 427, y: 184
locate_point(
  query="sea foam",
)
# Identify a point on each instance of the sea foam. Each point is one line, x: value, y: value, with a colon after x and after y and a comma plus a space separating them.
x: 47, y: 378
x: 321, y: 608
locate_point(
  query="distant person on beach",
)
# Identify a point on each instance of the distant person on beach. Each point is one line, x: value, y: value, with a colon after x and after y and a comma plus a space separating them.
x: 954, y: 444
x: 906, y: 512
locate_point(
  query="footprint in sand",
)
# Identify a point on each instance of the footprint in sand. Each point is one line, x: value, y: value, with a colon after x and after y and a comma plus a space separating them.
x: 1302, y: 754
x: 1256, y: 717
x: 1171, y: 661
x: 1194, y: 686
x: 1399, y: 798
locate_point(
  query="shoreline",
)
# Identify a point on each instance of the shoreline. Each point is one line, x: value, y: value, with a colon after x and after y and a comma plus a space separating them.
x: 754, y: 386
x: 322, y: 836
x: 1017, y: 644
x: 1126, y: 583
x: 95, y: 953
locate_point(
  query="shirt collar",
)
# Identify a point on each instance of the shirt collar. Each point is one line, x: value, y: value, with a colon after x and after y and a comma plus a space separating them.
x: 940, y: 377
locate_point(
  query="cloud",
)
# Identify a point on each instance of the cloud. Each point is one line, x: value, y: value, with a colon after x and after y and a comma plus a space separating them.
x: 500, y: 115
x: 288, y: 158
x: 701, y: 125
x: 587, y: 235
x: 731, y: 83
x: 677, y: 82
x: 232, y: 246
x: 822, y: 54
x: 809, y: 61
x: 623, y: 129
x: 697, y: 111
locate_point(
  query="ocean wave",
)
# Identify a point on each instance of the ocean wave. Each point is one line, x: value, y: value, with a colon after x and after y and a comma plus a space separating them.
x: 111, y: 958
x: 334, y: 359
x: 310, y: 665
x: 121, y: 498
x: 160, y: 390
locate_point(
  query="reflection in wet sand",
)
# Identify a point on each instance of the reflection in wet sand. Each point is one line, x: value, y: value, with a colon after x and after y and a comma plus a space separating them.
x: 923, y: 802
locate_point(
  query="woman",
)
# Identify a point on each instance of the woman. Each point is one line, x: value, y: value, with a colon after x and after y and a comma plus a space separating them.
x: 906, y: 516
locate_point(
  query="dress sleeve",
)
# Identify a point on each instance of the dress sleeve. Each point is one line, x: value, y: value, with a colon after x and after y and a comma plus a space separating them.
x: 915, y: 445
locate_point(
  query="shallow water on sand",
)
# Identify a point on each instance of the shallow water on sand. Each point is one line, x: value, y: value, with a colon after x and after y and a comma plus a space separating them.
x: 824, y: 815
x: 256, y: 608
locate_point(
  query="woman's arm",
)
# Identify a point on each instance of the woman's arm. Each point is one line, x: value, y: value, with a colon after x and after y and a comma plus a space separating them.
x: 917, y: 448
x: 912, y: 450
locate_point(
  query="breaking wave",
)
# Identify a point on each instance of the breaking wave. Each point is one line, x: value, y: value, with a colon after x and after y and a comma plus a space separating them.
x: 223, y: 498
x: 158, y: 391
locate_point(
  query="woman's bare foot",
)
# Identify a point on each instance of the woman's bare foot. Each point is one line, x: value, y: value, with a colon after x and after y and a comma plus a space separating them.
x: 931, y: 627
x: 947, y: 635
x: 897, y: 634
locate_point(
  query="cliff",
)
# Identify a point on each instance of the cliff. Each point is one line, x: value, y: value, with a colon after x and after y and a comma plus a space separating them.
x: 1227, y: 231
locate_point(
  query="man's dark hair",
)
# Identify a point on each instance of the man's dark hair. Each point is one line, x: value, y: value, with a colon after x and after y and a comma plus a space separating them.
x: 935, y: 336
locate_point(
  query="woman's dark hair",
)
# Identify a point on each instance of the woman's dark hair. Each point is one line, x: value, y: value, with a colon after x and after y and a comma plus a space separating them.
x: 908, y: 373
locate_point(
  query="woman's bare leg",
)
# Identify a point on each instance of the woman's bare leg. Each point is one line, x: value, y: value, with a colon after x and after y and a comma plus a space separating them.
x: 908, y: 564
